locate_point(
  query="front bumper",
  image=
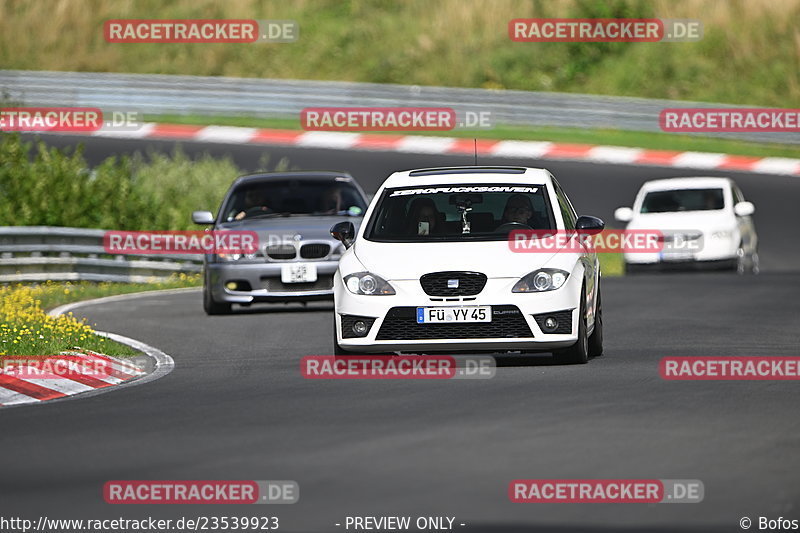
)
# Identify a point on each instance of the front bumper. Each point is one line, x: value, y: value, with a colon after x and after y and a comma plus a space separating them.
x: 513, y: 327
x: 714, y: 252
x: 261, y: 282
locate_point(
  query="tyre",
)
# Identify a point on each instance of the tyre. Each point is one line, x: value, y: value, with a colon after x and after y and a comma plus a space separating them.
x: 741, y: 261
x: 578, y: 353
x: 211, y: 306
x: 596, y: 338
x: 746, y: 264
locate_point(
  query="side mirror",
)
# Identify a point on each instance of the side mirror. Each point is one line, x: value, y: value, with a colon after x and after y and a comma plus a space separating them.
x: 344, y: 232
x: 624, y: 214
x: 744, y: 209
x: 587, y: 224
x: 202, y: 217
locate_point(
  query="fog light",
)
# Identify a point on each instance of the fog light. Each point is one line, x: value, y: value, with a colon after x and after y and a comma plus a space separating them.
x: 231, y: 285
x: 550, y: 324
x: 359, y: 328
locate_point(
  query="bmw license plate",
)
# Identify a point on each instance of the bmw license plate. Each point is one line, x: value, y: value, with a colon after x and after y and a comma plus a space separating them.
x: 470, y: 313
x: 299, y: 273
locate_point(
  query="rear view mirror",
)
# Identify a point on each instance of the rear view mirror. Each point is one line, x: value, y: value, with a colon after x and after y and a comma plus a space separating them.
x: 624, y: 214
x: 202, y: 217
x: 466, y: 199
x: 744, y: 209
x: 344, y: 232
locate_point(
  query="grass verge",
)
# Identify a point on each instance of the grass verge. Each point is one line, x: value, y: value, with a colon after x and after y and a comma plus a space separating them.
x: 748, y: 53
x: 612, y: 265
x: 27, y: 330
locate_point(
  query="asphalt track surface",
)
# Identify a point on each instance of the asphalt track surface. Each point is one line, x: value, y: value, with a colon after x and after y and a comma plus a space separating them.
x: 236, y: 406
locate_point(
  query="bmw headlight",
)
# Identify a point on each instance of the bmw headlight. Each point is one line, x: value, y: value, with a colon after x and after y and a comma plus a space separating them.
x: 544, y: 279
x: 367, y: 284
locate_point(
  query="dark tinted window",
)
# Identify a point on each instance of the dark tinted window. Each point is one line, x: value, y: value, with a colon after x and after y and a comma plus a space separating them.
x: 683, y: 200
x: 294, y: 197
x: 459, y: 212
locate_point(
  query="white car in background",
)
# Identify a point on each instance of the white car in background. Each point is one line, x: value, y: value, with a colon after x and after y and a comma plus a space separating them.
x: 431, y: 269
x: 705, y: 223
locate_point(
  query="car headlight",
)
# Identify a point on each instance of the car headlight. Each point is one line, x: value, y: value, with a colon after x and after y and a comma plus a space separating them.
x: 367, y: 284
x: 229, y: 257
x: 544, y: 279
x: 722, y: 234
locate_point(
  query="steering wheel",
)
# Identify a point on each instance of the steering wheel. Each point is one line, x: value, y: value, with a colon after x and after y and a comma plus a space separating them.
x: 508, y: 227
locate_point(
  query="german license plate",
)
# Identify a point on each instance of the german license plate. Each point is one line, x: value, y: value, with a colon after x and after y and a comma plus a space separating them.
x: 676, y: 256
x: 299, y: 273
x: 454, y: 315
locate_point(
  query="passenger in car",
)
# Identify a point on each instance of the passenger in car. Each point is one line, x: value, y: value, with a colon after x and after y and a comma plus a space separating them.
x: 423, y: 217
x: 331, y: 202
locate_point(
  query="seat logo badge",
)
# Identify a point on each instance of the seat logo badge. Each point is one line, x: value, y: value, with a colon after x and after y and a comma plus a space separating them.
x: 452, y: 283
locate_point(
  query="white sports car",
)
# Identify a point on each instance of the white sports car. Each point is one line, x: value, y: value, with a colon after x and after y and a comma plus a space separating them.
x: 431, y: 268
x: 705, y: 222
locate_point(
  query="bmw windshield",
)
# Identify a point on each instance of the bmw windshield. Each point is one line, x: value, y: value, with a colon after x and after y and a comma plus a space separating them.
x: 453, y: 213
x: 275, y: 198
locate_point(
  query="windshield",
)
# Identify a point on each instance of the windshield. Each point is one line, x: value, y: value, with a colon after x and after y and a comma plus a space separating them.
x: 683, y: 200
x: 275, y: 198
x: 459, y: 212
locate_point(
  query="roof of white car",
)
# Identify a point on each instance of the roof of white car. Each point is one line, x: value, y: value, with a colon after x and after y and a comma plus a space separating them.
x: 669, y: 184
x: 479, y: 174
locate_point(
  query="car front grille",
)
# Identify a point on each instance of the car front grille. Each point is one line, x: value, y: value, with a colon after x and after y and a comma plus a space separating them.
x: 315, y: 250
x: 280, y: 252
x: 276, y: 285
x: 401, y: 324
x: 441, y: 283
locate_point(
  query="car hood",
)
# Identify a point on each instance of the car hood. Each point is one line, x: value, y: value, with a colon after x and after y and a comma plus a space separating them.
x: 403, y: 261
x: 687, y: 220
x: 308, y: 228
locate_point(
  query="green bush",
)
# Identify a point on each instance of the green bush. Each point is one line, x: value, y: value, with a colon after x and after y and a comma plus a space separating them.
x: 47, y: 186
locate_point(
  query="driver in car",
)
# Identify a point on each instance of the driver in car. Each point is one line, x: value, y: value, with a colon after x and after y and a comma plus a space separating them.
x: 518, y: 209
x: 254, y: 203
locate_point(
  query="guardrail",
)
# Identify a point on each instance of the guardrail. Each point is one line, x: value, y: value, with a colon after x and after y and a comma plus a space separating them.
x: 271, y: 98
x: 41, y: 253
